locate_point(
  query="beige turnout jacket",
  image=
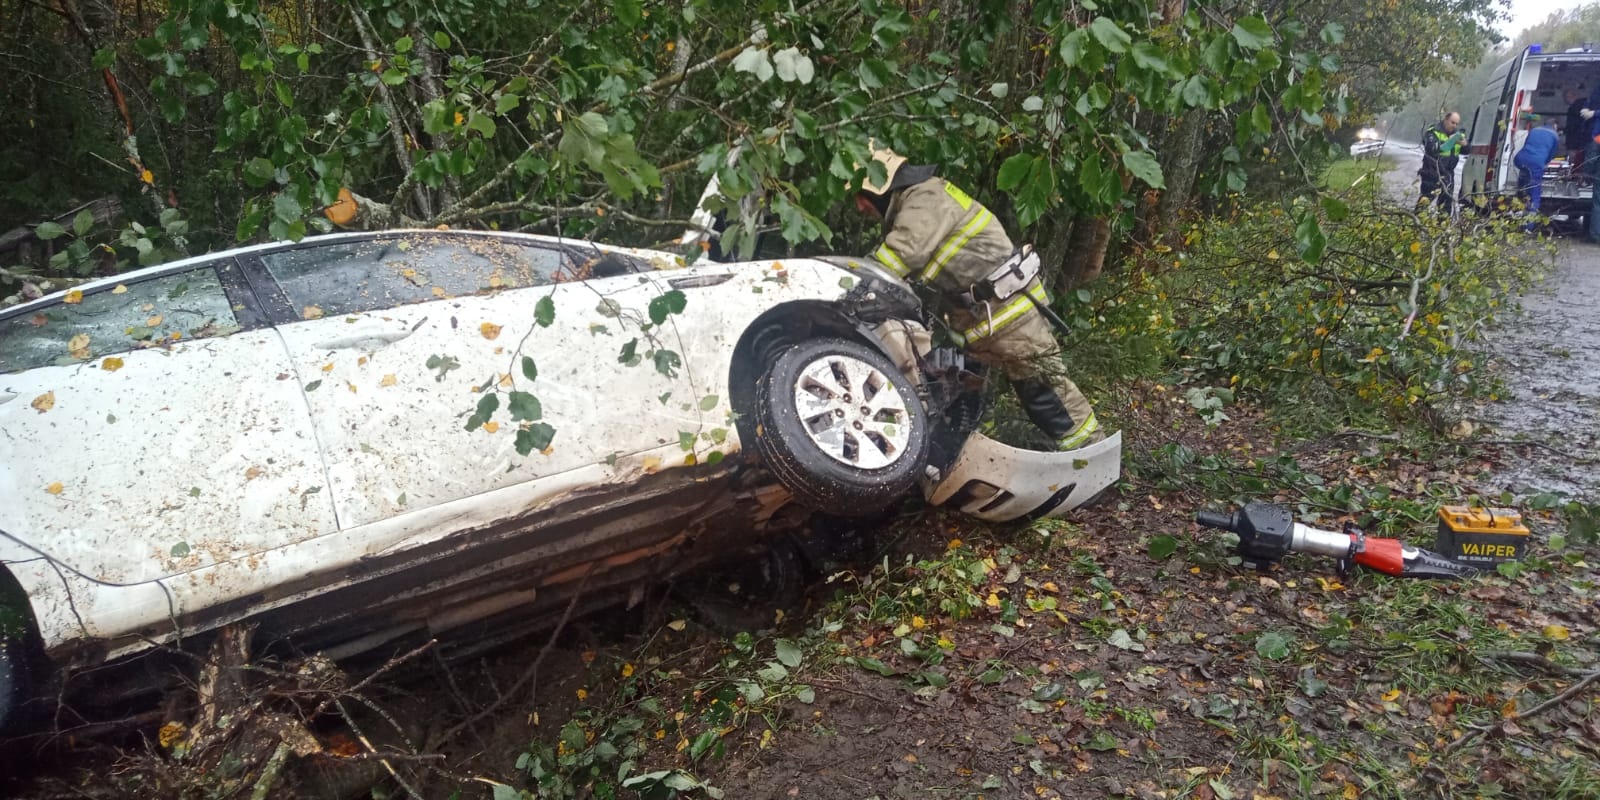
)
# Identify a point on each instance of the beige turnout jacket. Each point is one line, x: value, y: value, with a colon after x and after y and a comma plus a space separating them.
x: 941, y: 237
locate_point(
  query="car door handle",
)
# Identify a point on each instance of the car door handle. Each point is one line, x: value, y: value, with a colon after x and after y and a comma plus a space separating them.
x: 364, y: 339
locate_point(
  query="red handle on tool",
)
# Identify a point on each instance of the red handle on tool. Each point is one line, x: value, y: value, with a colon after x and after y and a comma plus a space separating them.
x: 1382, y: 555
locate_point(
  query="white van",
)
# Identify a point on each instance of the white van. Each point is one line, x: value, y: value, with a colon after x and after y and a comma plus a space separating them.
x: 1538, y: 80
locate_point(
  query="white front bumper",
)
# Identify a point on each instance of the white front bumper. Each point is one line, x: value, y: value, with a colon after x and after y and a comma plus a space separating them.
x: 997, y: 482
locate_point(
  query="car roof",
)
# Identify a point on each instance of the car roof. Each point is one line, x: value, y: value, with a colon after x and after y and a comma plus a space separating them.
x: 181, y: 264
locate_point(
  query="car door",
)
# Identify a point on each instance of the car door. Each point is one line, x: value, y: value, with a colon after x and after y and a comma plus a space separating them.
x: 151, y: 428
x: 397, y: 340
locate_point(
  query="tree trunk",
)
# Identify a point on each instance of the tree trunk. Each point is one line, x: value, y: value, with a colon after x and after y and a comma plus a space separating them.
x: 1183, y: 154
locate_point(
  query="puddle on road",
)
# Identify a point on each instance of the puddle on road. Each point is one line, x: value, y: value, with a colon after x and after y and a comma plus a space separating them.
x: 1549, y: 358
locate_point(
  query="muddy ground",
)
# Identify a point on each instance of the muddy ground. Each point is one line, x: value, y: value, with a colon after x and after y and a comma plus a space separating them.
x: 1123, y: 654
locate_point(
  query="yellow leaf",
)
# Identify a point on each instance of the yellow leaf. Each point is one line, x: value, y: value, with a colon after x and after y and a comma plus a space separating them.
x: 120, y: 289
x: 489, y: 330
x: 388, y: 380
x: 351, y: 386
x: 361, y: 361
x: 583, y: 694
x: 54, y: 488
x: 766, y: 738
x: 311, y: 312
x: 1416, y: 247
x: 252, y: 473
x: 993, y: 601
x: 1391, y: 695
x: 170, y: 734
x: 328, y: 367
x: 1557, y: 633
x: 505, y: 379
x: 44, y: 402
x: 1050, y: 587
x: 1273, y: 255
x: 460, y: 118
x: 438, y: 291
x: 918, y: 623
x: 147, y: 176
x: 153, y: 321
x: 627, y: 670
x: 1329, y: 585
x: 78, y: 346
x: 111, y: 364
x: 954, y: 543
x: 491, y: 426
x: 495, y: 281
x: 1350, y: 792
x: 678, y: 624
x: 73, y: 297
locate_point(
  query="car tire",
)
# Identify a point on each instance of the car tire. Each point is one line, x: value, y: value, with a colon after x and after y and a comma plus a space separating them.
x: 840, y: 426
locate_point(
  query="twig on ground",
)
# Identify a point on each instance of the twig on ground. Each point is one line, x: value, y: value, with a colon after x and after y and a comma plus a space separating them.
x: 1570, y: 692
x: 1531, y: 443
x: 367, y: 743
x: 389, y: 665
x: 1532, y: 659
x: 269, y: 774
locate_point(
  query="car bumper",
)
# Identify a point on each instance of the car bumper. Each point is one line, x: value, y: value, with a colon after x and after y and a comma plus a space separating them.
x: 997, y: 482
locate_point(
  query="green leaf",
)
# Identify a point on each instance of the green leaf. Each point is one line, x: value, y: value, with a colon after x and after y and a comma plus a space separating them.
x: 1332, y: 33
x: 259, y: 172
x: 686, y: 440
x: 1013, y: 171
x: 708, y: 402
x: 1261, y: 119
x: 312, y: 386
x: 83, y: 223
x: 1072, y: 46
x: 1272, y: 645
x: 701, y: 744
x: 1103, y: 741
x: 49, y: 230
x: 180, y: 550
x: 481, y: 123
x: 529, y: 369
x: 1335, y: 208
x: 629, y: 355
x: 487, y: 405
x: 788, y: 652
x: 667, y: 363
x: 1309, y: 239
x: 1162, y: 546
x: 544, y: 312
x: 535, y: 437
x: 1252, y: 33
x: 524, y: 406
x: 772, y: 672
x: 1144, y: 166
x: 1110, y: 35
x: 500, y: 791
x: 507, y: 102
x: 403, y: 44
x: 662, y: 306
x: 441, y: 40
x: 1149, y: 57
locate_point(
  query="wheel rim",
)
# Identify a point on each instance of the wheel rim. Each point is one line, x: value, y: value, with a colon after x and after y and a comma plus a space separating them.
x: 852, y: 412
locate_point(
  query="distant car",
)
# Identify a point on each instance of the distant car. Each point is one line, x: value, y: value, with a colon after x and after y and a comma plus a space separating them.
x: 303, y: 435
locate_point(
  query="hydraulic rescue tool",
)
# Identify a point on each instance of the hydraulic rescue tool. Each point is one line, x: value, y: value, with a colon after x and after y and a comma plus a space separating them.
x: 1268, y: 532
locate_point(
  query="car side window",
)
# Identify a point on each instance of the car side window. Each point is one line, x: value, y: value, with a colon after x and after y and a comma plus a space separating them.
x: 131, y: 316
x: 370, y: 274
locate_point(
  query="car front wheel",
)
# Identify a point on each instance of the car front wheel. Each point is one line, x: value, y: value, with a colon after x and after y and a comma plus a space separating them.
x: 840, y: 427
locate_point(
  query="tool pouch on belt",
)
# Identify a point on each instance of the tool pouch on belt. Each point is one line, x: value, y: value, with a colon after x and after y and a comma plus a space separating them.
x: 1008, y: 280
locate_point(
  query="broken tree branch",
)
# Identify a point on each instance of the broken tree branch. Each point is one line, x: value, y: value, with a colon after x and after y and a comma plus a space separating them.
x: 397, y: 132
x: 1571, y: 691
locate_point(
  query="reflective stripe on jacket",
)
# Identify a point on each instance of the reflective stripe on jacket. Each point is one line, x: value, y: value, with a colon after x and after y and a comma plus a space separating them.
x: 937, y: 234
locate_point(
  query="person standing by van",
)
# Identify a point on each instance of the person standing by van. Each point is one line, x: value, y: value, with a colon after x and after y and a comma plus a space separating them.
x: 1441, y: 152
x: 1577, y: 129
x: 1538, y: 149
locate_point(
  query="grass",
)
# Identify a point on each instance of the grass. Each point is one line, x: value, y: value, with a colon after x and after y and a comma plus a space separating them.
x: 1342, y: 175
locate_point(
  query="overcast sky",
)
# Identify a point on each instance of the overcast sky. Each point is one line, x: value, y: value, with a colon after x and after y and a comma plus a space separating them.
x: 1526, y: 13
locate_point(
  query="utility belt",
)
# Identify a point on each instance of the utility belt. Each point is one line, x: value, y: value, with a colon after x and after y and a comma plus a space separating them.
x: 1005, y: 282
x: 1003, y: 296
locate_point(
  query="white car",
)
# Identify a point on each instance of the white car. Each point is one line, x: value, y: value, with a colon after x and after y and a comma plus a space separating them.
x: 360, y: 438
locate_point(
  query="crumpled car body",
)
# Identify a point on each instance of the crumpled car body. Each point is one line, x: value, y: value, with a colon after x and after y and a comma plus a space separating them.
x: 302, y: 435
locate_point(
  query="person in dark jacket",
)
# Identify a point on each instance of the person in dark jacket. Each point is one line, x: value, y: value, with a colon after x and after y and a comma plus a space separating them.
x: 1577, y: 129
x: 1441, y: 152
x: 1538, y: 149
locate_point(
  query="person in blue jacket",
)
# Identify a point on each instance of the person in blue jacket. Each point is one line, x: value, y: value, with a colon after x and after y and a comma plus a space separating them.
x: 1538, y: 149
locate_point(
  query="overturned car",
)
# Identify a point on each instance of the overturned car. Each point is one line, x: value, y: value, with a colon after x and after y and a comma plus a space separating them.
x: 358, y: 439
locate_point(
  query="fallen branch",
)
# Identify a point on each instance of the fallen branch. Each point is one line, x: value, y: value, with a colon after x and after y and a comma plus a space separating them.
x: 1571, y: 691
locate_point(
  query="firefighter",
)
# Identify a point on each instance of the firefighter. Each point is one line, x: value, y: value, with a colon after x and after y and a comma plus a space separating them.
x: 937, y: 235
x: 1441, y: 151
